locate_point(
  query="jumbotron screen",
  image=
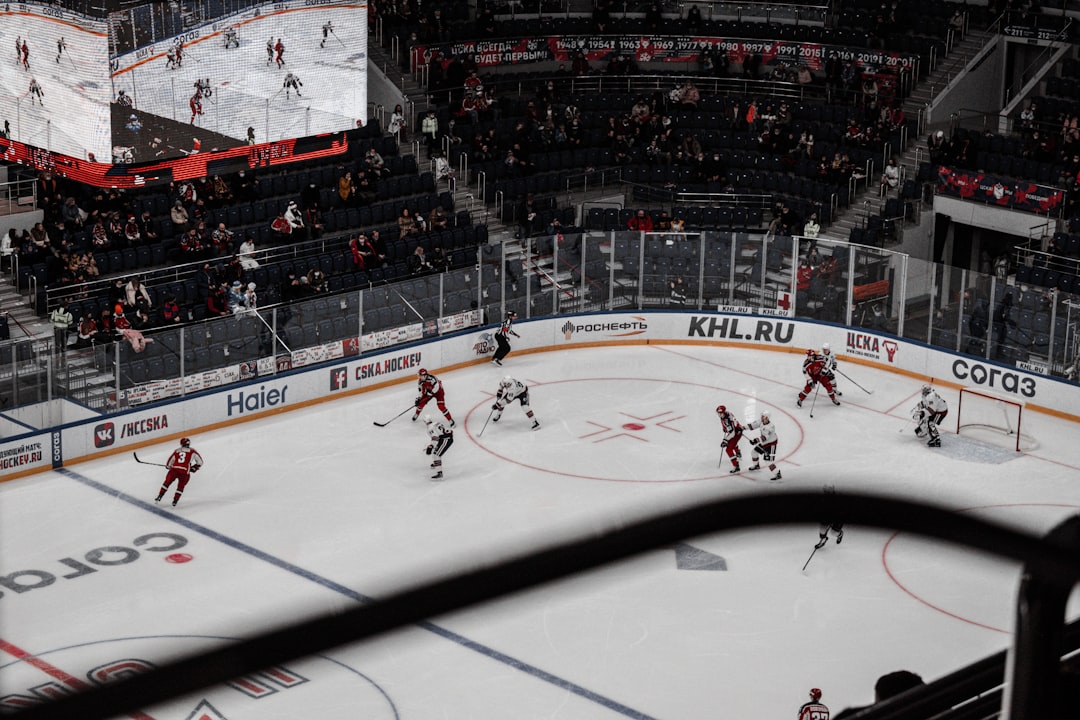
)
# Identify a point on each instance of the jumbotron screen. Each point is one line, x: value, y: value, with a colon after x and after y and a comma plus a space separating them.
x: 168, y: 90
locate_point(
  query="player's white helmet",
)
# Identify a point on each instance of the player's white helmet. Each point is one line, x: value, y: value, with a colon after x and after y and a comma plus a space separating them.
x: 825, y: 348
x: 428, y: 420
x: 506, y: 382
x: 185, y: 442
x: 815, y: 694
x: 765, y: 419
x: 926, y: 390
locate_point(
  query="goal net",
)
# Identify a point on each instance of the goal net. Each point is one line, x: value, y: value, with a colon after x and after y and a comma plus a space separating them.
x: 994, y: 418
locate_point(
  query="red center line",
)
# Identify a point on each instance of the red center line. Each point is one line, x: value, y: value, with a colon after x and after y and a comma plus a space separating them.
x: 55, y: 672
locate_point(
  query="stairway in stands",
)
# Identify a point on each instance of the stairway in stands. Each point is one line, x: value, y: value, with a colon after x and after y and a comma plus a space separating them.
x: 870, y: 202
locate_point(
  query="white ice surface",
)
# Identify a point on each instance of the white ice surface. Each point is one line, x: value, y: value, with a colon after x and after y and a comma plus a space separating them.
x: 314, y: 510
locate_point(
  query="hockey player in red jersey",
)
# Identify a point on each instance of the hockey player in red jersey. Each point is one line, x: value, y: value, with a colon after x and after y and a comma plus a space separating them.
x: 430, y: 388
x: 732, y: 435
x: 816, y: 369
x: 196, y: 105
x: 815, y: 709
x: 279, y: 53
x: 184, y: 461
x: 764, y: 445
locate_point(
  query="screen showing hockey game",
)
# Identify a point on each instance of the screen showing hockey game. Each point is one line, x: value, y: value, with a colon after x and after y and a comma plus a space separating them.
x: 158, y: 81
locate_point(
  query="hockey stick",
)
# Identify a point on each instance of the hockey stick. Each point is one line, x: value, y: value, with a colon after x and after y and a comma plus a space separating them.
x: 144, y: 462
x: 492, y: 412
x: 868, y: 392
x: 384, y: 424
x: 809, y: 558
x: 338, y: 39
x: 817, y: 386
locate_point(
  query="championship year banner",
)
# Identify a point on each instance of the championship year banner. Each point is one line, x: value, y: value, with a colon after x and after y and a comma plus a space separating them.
x: 599, y: 48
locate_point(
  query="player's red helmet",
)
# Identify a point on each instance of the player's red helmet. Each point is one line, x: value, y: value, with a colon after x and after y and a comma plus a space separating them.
x: 185, y: 442
x: 815, y: 694
x: 422, y: 372
x: 721, y: 409
x: 810, y: 351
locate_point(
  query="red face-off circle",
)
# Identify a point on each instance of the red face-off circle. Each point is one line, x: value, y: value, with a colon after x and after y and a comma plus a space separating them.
x: 633, y: 426
x: 178, y: 558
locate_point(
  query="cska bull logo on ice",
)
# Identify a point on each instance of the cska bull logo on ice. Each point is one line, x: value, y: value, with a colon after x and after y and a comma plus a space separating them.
x: 485, y: 345
x: 279, y: 691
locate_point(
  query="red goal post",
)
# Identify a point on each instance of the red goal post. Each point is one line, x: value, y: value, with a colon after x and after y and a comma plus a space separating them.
x: 992, y: 414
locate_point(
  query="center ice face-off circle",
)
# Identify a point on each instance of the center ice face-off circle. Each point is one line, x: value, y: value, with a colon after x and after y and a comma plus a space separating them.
x: 626, y: 429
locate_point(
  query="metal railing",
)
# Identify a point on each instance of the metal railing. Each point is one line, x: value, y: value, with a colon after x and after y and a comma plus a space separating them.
x: 18, y: 195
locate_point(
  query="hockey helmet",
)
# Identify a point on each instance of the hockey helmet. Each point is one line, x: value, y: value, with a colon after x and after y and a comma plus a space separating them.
x: 926, y: 389
x: 825, y: 348
x: 721, y: 409
x: 428, y: 420
x: 506, y: 381
x: 185, y: 442
x: 511, y: 314
x: 815, y: 694
x: 810, y: 352
x: 422, y: 373
x: 765, y: 418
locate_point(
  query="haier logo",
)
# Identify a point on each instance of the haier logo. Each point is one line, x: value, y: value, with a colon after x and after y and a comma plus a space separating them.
x: 104, y: 435
x: 339, y: 378
x: 264, y: 399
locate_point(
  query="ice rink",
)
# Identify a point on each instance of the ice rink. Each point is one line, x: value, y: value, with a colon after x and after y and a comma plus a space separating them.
x: 315, y: 510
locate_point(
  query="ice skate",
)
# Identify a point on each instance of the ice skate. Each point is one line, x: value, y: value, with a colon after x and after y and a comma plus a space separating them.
x: 755, y: 466
x: 839, y: 536
x: 934, y: 443
x: 821, y: 542
x: 497, y: 361
x: 157, y: 499
x: 799, y: 402
x: 174, y: 502
x: 437, y: 476
x: 834, y: 401
x: 452, y: 423
x: 776, y: 477
x: 734, y: 470
x: 536, y: 425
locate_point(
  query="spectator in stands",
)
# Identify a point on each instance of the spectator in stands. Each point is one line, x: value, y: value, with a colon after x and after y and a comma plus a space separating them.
x: 580, y: 66
x: 1029, y: 117
x: 956, y: 24
x: 438, y: 260
x: 407, y: 224
x: 437, y: 219
x: 235, y: 297
x: 443, y: 169
x: 346, y: 189
x: 217, y: 302
x: 693, y: 18
x: 281, y: 228
x: 362, y: 252
x: 397, y: 126
x: 179, y: 216
x: 890, y: 178
x: 381, y: 251
x: 250, y: 300
x: 73, y: 215
x: 316, y: 281
x: 8, y: 246
x: 811, y: 228
x: 366, y: 187
x: 601, y: 17
x: 295, y: 218
x: 678, y: 227
x: 61, y: 321
x: 803, y: 276
x: 88, y: 331
x: 418, y: 262
x: 677, y: 290
x: 222, y: 241
x: 374, y: 163
x: 136, y: 295
x: 689, y: 96
x: 146, y: 228
x: 429, y: 128
x: 640, y: 222
x: 171, y: 313
x: 191, y: 247
x: 246, y: 253
x: 888, y: 685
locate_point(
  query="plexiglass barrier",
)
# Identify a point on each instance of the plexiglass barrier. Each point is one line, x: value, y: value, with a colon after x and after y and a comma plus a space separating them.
x: 734, y: 272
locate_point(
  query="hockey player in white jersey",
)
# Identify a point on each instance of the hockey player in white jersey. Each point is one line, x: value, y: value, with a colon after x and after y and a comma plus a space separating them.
x: 928, y: 414
x: 440, y: 438
x: 292, y: 82
x: 327, y: 28
x: 509, y: 391
x: 36, y: 92
x: 830, y: 363
x: 232, y: 40
x: 764, y: 446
